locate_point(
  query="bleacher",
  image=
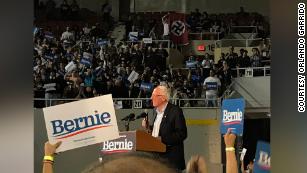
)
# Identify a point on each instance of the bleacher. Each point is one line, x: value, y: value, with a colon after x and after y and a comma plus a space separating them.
x: 221, y: 45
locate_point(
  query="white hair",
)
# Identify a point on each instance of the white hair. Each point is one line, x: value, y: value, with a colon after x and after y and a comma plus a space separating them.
x: 165, y: 91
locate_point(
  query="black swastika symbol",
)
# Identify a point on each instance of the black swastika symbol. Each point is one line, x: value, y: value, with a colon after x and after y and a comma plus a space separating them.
x: 178, y: 28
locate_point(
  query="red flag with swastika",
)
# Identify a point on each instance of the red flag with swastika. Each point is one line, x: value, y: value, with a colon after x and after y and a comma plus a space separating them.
x: 178, y: 29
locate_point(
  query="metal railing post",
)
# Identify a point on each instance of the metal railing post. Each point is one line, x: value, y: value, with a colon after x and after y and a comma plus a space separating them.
x: 264, y: 71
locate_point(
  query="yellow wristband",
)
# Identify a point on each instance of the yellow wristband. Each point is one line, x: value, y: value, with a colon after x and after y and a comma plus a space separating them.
x: 50, y: 158
x: 230, y: 149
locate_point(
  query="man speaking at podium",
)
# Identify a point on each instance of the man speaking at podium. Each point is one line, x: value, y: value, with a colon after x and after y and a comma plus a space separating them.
x: 169, y: 126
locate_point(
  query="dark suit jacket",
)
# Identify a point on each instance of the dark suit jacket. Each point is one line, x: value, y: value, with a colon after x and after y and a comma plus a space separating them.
x: 173, y: 132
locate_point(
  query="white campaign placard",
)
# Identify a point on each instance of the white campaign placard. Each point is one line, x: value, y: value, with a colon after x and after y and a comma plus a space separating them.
x: 243, y: 154
x: 249, y: 72
x: 147, y: 40
x: 137, y: 104
x: 81, y: 123
x: 133, y: 76
x: 133, y: 36
x: 70, y: 66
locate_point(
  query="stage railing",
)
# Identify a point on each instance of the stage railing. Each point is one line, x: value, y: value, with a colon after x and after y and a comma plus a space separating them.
x: 154, y: 44
x: 243, y: 29
x: 241, y: 42
x: 137, y: 103
x: 204, y: 36
x: 252, y: 71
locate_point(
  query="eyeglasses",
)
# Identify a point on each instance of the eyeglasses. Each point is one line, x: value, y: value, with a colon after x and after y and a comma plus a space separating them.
x: 154, y: 95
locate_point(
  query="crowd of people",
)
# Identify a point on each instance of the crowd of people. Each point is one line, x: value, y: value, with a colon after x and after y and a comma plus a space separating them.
x: 158, y: 27
x: 65, y: 11
x: 260, y: 57
x: 104, y: 71
x: 68, y: 10
x: 222, y: 23
x: 99, y: 66
x: 85, y: 62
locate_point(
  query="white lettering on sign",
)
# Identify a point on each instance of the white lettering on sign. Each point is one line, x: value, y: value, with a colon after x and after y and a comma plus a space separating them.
x: 137, y: 104
x: 264, y: 160
x: 117, y: 145
x: 232, y: 117
x: 249, y: 72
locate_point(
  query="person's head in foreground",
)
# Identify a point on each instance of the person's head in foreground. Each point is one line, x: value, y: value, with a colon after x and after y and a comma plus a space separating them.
x: 134, y: 162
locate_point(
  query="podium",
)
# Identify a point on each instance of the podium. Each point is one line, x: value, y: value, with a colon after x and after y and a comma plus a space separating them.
x: 130, y: 141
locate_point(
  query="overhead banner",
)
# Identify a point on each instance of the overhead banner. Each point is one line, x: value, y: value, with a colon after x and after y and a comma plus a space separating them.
x: 81, y: 123
x: 263, y: 158
x: 232, y: 116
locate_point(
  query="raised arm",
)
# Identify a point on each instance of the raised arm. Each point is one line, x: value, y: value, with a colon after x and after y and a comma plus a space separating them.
x: 164, y: 18
x: 231, y: 161
x: 49, y: 156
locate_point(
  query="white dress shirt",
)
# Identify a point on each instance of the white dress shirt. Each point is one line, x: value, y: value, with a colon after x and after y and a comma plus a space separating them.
x: 157, y: 123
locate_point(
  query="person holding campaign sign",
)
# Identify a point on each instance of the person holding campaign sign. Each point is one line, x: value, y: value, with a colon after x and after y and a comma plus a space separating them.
x: 81, y: 123
x: 232, y: 116
x: 169, y: 126
x: 87, y: 59
x: 250, y: 167
x: 197, y: 164
x: 212, y: 86
x: 50, y: 150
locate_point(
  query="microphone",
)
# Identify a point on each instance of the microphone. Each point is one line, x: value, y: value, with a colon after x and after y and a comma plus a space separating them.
x: 142, y: 115
x: 129, y: 117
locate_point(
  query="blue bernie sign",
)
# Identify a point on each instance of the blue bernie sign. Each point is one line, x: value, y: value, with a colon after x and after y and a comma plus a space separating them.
x: 146, y: 86
x: 263, y: 158
x: 101, y: 42
x: 232, y: 116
